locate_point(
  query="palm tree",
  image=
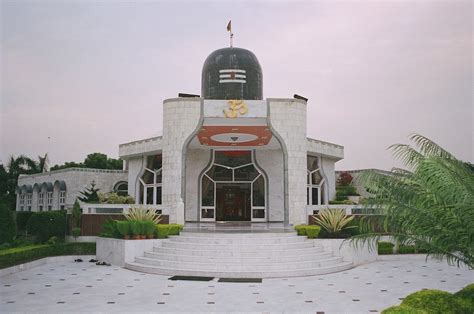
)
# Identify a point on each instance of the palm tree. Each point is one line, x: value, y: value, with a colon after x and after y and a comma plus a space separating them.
x: 430, y: 204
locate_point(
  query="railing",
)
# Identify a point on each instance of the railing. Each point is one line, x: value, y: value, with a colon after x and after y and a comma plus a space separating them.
x: 120, y: 208
x: 350, y: 209
x: 23, y: 176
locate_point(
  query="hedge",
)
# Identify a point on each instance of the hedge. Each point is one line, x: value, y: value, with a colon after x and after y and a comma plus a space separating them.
x: 22, y: 219
x: 311, y: 231
x: 44, y: 225
x: 15, y: 256
x: 7, y: 225
x: 385, y: 248
x: 467, y: 294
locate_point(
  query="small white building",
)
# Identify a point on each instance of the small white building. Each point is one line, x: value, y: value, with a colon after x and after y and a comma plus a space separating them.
x: 227, y: 155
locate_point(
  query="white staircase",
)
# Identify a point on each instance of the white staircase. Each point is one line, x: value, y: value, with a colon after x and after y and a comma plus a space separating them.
x: 239, y: 255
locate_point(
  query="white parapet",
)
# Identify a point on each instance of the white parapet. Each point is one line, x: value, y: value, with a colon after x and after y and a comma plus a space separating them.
x: 359, y: 255
x: 118, y: 252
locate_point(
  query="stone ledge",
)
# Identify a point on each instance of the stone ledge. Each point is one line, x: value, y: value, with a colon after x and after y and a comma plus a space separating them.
x: 118, y: 252
x: 357, y: 256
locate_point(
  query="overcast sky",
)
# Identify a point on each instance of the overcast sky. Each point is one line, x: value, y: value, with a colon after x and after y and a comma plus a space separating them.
x: 84, y: 76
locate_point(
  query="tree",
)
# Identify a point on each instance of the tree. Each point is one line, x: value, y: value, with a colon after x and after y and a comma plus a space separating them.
x: 76, y: 214
x: 429, y: 204
x: 7, y: 225
x: 90, y: 195
x: 96, y: 161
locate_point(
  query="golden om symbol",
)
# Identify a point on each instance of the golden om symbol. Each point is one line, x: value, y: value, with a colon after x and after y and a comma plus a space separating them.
x: 235, y: 107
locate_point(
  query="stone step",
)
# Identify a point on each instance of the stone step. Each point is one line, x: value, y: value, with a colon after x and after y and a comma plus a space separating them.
x: 290, y: 272
x: 238, y: 253
x: 258, y: 259
x: 245, y: 247
x: 242, y: 241
x: 212, y: 265
x: 235, y: 235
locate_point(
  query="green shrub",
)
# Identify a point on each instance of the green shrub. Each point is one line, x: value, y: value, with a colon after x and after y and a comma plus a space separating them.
x: 109, y: 229
x: 402, y: 309
x: 123, y: 226
x: 175, y: 229
x: 406, y: 249
x: 300, y: 230
x: 22, y: 219
x: 135, y: 228
x: 385, y: 248
x: 44, y: 225
x: 312, y: 231
x: 149, y: 228
x: 161, y: 231
x: 467, y: 295
x: 7, y: 224
x: 15, y: 256
x: 436, y: 302
x: 76, y: 232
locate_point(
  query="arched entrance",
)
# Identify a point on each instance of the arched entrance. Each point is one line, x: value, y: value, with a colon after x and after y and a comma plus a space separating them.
x: 233, y: 188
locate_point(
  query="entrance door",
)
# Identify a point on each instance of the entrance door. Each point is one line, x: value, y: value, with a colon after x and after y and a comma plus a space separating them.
x: 233, y: 202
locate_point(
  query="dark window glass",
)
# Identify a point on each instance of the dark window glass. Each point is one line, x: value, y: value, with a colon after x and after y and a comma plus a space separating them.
x: 149, y: 195
x: 154, y: 162
x: 307, y: 196
x: 314, y: 195
x: 158, y: 195
x: 233, y: 158
x: 247, y: 173
x: 147, y: 177
x: 207, y: 213
x: 207, y: 192
x: 259, y: 213
x: 259, y: 192
x: 312, y: 163
x: 122, y: 189
x: 218, y: 173
x: 316, y: 177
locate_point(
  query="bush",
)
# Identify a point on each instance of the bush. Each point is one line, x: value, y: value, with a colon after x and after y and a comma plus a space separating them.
x: 76, y: 232
x: 162, y: 231
x: 300, y: 230
x: 22, y: 219
x: 123, y: 226
x: 436, y: 301
x: 135, y: 228
x: 149, y: 228
x: 467, y: 295
x: 15, y: 256
x: 114, y: 198
x: 7, y: 225
x: 406, y: 249
x: 312, y: 231
x: 401, y: 309
x: 109, y: 229
x: 385, y: 248
x: 44, y: 225
x: 175, y: 229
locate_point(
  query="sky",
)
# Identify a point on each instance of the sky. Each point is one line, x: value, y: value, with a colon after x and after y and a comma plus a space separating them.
x: 85, y: 76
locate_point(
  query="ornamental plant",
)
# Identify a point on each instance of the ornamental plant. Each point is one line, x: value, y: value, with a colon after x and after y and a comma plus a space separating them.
x: 333, y: 220
x: 430, y: 204
x: 149, y: 229
x: 142, y: 214
x: 135, y: 229
x: 123, y: 226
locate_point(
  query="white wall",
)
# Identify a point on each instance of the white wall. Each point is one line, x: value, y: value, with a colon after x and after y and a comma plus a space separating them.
x: 196, y: 161
x: 271, y: 161
x: 329, y: 172
x: 135, y: 166
x: 180, y: 119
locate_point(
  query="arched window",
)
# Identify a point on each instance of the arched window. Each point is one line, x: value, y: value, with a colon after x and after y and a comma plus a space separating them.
x: 315, y: 182
x: 151, y: 181
x: 121, y: 188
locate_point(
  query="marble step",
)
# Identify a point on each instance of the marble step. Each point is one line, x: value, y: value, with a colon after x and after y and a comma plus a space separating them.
x: 222, y: 259
x: 236, y: 235
x: 243, y: 241
x: 212, y: 265
x: 244, y: 247
x: 257, y: 252
x: 290, y: 272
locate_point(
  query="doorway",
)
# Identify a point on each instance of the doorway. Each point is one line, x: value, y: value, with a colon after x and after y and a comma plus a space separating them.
x: 233, y: 202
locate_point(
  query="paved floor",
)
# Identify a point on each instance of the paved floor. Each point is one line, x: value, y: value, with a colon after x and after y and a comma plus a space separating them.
x: 85, y: 287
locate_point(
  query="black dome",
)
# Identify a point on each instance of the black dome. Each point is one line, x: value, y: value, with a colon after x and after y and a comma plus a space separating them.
x: 232, y: 73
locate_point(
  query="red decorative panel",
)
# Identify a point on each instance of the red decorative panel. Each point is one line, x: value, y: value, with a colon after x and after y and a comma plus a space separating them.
x: 234, y: 135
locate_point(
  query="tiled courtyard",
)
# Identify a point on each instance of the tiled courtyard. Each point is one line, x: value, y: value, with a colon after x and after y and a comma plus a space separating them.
x: 85, y: 287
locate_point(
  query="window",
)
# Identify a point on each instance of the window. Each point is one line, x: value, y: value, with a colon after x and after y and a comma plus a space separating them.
x: 315, y: 181
x: 62, y: 199
x: 40, y: 201
x: 150, y: 181
x: 22, y: 202
x: 121, y: 188
x: 29, y: 198
x: 49, y: 200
